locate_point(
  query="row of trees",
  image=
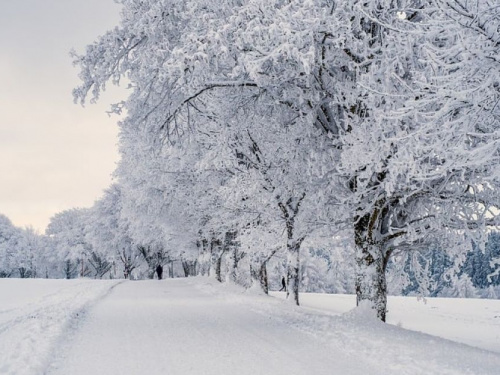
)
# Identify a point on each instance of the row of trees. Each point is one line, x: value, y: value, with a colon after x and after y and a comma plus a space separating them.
x: 433, y: 273
x: 275, y: 119
x: 256, y: 128
x: 101, y: 240
x: 20, y: 253
x: 79, y: 245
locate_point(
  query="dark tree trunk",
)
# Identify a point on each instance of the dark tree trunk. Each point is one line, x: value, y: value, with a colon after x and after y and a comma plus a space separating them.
x: 185, y: 268
x: 292, y: 270
x: 233, y: 265
x: 69, y: 269
x: 218, y: 268
x: 23, y: 273
x: 129, y: 263
x: 258, y: 273
x: 371, y: 284
x: 189, y: 267
x: 171, y: 269
x: 264, y: 283
x: 231, y: 247
x: 192, y: 267
x: 217, y: 253
x: 290, y: 210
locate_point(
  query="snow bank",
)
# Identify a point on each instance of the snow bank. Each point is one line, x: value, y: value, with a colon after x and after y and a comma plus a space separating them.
x: 35, y: 314
x: 470, y: 321
x: 387, y: 348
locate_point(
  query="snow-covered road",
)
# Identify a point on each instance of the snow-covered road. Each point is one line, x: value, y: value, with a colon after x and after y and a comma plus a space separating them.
x: 197, y: 326
x: 176, y: 327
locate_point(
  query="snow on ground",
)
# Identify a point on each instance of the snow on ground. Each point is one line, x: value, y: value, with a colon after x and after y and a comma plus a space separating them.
x: 385, y: 348
x: 178, y: 327
x: 474, y: 322
x: 34, y: 315
x: 197, y: 326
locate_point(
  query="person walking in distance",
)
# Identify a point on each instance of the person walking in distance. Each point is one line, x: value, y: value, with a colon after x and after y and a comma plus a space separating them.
x: 283, y: 284
x: 159, y: 271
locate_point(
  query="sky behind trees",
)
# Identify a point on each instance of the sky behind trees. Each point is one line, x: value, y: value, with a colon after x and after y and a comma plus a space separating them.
x: 54, y: 154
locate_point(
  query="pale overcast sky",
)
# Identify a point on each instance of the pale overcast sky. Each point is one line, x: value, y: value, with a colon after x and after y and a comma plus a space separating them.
x: 54, y: 155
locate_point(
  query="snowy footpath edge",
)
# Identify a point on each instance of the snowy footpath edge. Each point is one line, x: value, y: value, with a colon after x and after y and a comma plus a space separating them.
x: 37, y: 332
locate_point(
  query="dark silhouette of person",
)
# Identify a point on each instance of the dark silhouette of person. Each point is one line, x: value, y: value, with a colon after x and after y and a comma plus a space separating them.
x: 283, y: 284
x: 159, y: 271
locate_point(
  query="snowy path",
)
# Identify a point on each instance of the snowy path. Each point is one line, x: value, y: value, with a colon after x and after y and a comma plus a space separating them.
x: 173, y: 327
x: 195, y: 326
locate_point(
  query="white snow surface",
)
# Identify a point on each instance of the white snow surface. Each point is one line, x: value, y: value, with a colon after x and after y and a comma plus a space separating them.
x: 197, y: 326
x: 471, y: 321
x: 36, y: 314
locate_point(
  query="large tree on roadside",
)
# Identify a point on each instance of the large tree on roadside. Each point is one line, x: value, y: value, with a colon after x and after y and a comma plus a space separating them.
x: 272, y: 181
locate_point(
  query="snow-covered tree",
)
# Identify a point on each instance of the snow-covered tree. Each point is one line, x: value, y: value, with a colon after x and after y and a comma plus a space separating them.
x: 23, y: 252
x: 168, y: 199
x: 67, y: 233
x: 478, y: 264
x: 109, y: 234
x: 461, y: 287
x: 29, y: 254
x: 9, y: 238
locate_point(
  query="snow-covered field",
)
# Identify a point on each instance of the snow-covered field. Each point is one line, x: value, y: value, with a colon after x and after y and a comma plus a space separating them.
x: 197, y: 326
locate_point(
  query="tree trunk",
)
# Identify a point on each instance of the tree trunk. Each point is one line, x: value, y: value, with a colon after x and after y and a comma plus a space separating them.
x: 290, y: 210
x: 233, y: 264
x: 22, y: 272
x: 69, y: 269
x: 217, y: 251
x: 292, y: 273
x: 218, y: 268
x: 371, y: 284
x: 264, y: 284
x: 203, y: 257
x: 171, y: 269
x: 189, y: 269
x: 235, y: 257
x: 258, y: 273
